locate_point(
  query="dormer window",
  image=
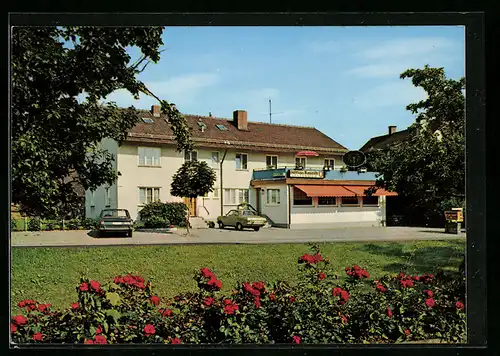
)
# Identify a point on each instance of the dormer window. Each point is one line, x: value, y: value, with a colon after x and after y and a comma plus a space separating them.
x: 147, y: 120
x: 221, y: 127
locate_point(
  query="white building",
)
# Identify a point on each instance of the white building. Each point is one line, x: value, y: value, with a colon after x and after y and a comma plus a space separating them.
x: 254, y: 155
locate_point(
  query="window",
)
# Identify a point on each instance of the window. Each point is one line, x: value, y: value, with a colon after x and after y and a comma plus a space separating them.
x: 148, y: 195
x: 300, y: 198
x: 241, y: 161
x: 330, y: 163
x: 350, y: 201
x: 300, y: 162
x: 215, y: 194
x: 215, y: 160
x: 273, y: 196
x: 107, y: 196
x: 370, y: 201
x: 221, y: 127
x: 92, y: 198
x: 149, y: 156
x: 147, y: 120
x: 190, y: 156
x: 271, y: 162
x: 235, y: 196
x: 327, y: 201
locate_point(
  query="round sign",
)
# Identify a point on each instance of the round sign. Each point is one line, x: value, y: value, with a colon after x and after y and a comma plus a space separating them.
x: 354, y: 158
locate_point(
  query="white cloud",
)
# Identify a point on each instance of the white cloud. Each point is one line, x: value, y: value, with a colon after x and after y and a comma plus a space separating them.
x: 390, y: 94
x: 406, y: 47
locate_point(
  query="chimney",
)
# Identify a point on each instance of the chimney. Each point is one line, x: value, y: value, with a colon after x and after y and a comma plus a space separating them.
x: 240, y: 119
x: 155, y: 110
x: 392, y: 129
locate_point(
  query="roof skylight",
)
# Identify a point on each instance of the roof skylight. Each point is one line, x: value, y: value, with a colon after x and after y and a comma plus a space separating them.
x: 147, y: 120
x: 221, y: 127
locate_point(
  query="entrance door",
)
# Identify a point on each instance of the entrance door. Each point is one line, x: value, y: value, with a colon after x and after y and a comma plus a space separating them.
x: 258, y: 191
x: 191, y: 204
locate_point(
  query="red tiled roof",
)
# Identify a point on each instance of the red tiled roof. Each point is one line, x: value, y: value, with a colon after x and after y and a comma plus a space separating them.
x: 384, y: 141
x: 271, y: 137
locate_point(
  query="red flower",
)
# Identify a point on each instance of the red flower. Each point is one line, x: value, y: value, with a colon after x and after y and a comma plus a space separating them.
x: 75, y: 305
x: 215, y: 283
x: 100, y: 339
x: 336, y: 291
x: 248, y: 288
x: 296, y: 339
x: 344, y: 295
x: 365, y: 273
x: 309, y: 259
x: 26, y: 302
x: 140, y: 285
x: 176, y: 340
x: 292, y: 299
x: 20, y: 320
x: 88, y: 341
x: 31, y: 307
x: 207, y: 273
x: 84, y: 287
x: 272, y: 296
x: 401, y: 274
x: 429, y: 293
x: 321, y: 276
x: 149, y: 330
x: 118, y: 280
x: 407, y: 282
x: 155, y: 300
x: 95, y: 285
x: 318, y: 258
x: 208, y: 301
x: 166, y: 312
x: 389, y: 312
x: 227, y: 301
x: 380, y: 287
x: 43, y: 307
x: 229, y: 306
x: 344, y: 319
x: 416, y: 278
x: 38, y: 336
x: 13, y: 328
x: 259, y: 285
x: 257, y: 302
x: 98, y: 330
x: 430, y: 302
x: 407, y: 332
x: 459, y: 305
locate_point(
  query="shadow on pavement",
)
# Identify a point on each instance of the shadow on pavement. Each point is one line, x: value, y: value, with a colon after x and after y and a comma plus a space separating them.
x: 95, y: 235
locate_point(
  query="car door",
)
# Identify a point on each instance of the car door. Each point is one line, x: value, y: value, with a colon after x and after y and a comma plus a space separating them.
x: 231, y: 218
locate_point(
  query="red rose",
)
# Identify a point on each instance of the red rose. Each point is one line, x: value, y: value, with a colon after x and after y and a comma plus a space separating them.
x: 176, y: 340
x: 296, y: 339
x: 259, y: 285
x: 84, y: 287
x: 459, y: 305
x: 272, y: 296
x: 336, y: 291
x: 149, y: 330
x: 321, y: 276
x: 389, y: 312
x: 95, y: 285
x: 166, y: 312
x: 416, y: 278
x: 75, y: 305
x: 31, y: 307
x: 227, y: 301
x: 155, y: 300
x: 347, y: 269
x: 215, y: 283
x: 429, y: 293
x: 100, y: 339
x: 344, y: 295
x: 307, y: 258
x: 208, y: 301
x: 207, y: 273
x: 98, y: 330
x: 344, y: 319
x: 401, y: 274
x: 38, y: 336
x: 42, y: 307
x: 407, y: 332
x: 118, y: 280
x: 318, y: 258
x: 430, y: 302
x: 365, y: 273
x: 292, y: 299
x: 257, y: 302
x: 13, y: 328
x: 88, y: 341
x: 20, y: 320
x: 381, y: 288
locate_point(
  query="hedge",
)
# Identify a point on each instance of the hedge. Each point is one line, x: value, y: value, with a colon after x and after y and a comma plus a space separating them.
x: 157, y: 213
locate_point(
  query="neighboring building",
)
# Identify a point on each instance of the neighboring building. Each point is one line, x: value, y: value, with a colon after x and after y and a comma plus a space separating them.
x: 147, y: 160
x: 384, y: 141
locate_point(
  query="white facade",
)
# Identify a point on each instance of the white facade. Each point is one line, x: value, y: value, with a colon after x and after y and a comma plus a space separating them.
x: 146, y: 173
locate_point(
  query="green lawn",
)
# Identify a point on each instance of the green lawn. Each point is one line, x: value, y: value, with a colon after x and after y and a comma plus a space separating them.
x: 50, y: 275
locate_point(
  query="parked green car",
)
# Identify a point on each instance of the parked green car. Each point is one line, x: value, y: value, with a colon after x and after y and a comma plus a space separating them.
x: 241, y: 219
x: 115, y: 220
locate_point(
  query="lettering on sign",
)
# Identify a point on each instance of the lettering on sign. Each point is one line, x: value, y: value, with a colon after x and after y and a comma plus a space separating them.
x: 281, y: 174
x: 306, y: 174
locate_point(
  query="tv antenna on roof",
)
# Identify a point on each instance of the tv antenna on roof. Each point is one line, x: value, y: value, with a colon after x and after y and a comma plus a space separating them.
x: 271, y: 113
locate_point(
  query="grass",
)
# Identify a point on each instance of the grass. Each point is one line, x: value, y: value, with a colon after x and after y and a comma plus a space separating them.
x: 51, y: 275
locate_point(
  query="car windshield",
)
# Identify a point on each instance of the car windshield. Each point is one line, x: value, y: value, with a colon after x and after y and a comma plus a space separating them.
x: 248, y: 213
x: 115, y: 213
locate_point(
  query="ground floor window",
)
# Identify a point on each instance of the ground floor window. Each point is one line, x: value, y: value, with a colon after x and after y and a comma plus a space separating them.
x: 300, y: 198
x: 350, y: 201
x: 273, y: 196
x: 327, y: 201
x: 370, y: 201
x: 148, y: 195
x: 235, y: 196
x: 215, y: 194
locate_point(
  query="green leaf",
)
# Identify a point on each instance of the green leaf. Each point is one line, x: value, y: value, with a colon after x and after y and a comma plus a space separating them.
x: 114, y: 298
x: 113, y: 313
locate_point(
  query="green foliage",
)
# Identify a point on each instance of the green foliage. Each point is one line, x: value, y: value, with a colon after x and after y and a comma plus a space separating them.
x: 34, y: 224
x: 170, y: 213
x: 74, y: 224
x: 13, y: 223
x: 319, y: 309
x: 56, y: 133
x: 427, y: 169
x: 193, y: 179
x: 156, y: 222
x: 89, y: 223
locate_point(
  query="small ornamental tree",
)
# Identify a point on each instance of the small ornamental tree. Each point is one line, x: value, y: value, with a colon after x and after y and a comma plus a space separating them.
x: 193, y: 179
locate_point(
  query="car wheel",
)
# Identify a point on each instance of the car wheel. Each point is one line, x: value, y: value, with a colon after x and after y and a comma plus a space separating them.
x: 221, y: 224
x: 129, y: 234
x: 257, y: 228
x: 239, y: 226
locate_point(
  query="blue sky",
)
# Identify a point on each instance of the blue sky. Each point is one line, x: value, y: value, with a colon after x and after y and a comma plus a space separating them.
x: 342, y: 80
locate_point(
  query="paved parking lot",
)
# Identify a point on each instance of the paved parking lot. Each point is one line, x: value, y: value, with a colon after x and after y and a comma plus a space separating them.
x: 271, y: 235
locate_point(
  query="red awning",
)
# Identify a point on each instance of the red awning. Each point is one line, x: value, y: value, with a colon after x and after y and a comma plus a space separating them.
x: 360, y: 190
x: 325, y: 191
x: 307, y: 153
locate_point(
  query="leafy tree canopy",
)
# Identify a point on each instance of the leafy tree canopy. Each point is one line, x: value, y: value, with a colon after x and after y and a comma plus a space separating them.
x: 428, y: 167
x: 193, y: 179
x: 55, y: 136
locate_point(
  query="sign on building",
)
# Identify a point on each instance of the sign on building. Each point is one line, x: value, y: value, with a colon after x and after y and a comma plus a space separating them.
x: 306, y: 174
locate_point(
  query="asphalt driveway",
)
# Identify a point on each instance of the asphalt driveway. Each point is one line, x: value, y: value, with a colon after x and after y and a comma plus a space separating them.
x: 217, y: 236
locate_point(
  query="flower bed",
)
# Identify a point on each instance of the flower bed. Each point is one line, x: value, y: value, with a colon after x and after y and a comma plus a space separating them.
x: 316, y: 310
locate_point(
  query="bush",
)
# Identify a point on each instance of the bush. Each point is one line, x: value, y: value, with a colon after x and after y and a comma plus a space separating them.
x: 89, y: 223
x: 316, y: 310
x: 156, y: 222
x: 34, y: 224
x: 73, y: 224
x: 13, y: 223
x: 174, y: 213
x: 51, y: 225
